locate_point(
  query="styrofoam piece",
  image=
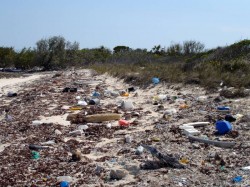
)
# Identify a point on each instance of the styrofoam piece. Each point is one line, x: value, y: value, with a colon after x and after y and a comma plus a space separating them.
x: 191, y: 132
x: 246, y: 168
x: 82, y: 103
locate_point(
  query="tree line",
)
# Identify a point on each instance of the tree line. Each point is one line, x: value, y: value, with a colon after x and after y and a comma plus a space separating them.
x: 56, y: 53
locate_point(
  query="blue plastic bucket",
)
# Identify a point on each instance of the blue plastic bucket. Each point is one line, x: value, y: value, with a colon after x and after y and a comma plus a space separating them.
x: 223, y: 127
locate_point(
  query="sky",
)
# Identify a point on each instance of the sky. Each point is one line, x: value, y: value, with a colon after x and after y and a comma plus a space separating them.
x: 133, y: 23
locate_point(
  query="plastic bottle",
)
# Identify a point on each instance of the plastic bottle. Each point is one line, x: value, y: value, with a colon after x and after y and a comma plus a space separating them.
x: 94, y: 101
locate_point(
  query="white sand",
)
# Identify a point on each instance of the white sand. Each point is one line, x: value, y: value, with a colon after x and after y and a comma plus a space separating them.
x: 13, y: 84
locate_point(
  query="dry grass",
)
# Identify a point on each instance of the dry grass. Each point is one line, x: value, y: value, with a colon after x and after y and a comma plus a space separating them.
x: 208, y: 75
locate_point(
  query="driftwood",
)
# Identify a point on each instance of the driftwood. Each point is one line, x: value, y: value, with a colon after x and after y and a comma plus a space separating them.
x: 212, y: 142
x: 164, y: 159
x: 96, y: 118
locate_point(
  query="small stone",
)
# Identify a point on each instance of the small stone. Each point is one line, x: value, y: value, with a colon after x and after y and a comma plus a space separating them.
x: 118, y: 174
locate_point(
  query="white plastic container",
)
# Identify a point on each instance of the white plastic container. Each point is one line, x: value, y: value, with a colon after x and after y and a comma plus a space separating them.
x: 83, y: 127
x: 76, y: 132
x: 127, y: 105
x: 191, y: 132
x: 82, y: 103
x: 128, y: 138
x: 36, y: 122
x: 202, y: 98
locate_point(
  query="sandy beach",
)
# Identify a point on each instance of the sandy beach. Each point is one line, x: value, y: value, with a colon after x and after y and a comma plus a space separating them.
x: 104, y: 150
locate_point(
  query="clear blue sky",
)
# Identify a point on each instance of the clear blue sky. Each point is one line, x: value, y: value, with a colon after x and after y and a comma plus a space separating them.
x: 135, y: 23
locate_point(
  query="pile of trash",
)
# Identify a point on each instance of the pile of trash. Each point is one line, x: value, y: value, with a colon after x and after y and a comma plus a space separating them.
x: 76, y: 128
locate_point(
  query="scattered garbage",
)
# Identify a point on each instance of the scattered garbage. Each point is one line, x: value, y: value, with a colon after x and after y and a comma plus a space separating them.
x: 131, y: 89
x: 237, y: 179
x: 246, y: 168
x: 64, y: 178
x: 212, y: 142
x: 94, y: 101
x: 127, y: 105
x: 67, y: 89
x: 202, y: 99
x: 35, y: 155
x: 96, y: 94
x: 109, y: 125
x: 139, y: 150
x: 223, y: 108
x: 11, y: 94
x: 124, y: 123
x: 83, y: 127
x: 128, y: 138
x: 76, y: 132
x: 123, y: 132
x: 230, y: 118
x: 81, y: 103
x: 223, y: 127
x: 155, y: 80
x: 164, y: 158
x: 36, y: 122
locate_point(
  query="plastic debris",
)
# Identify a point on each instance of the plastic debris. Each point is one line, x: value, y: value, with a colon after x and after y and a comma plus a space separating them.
x: 223, y: 127
x: 124, y: 123
x: 237, y: 179
x: 212, y: 142
x: 155, y: 80
x: 35, y: 155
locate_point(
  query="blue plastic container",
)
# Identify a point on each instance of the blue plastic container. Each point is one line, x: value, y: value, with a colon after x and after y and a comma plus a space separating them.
x: 155, y: 80
x: 64, y: 184
x: 96, y: 94
x: 223, y: 127
x: 223, y: 108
